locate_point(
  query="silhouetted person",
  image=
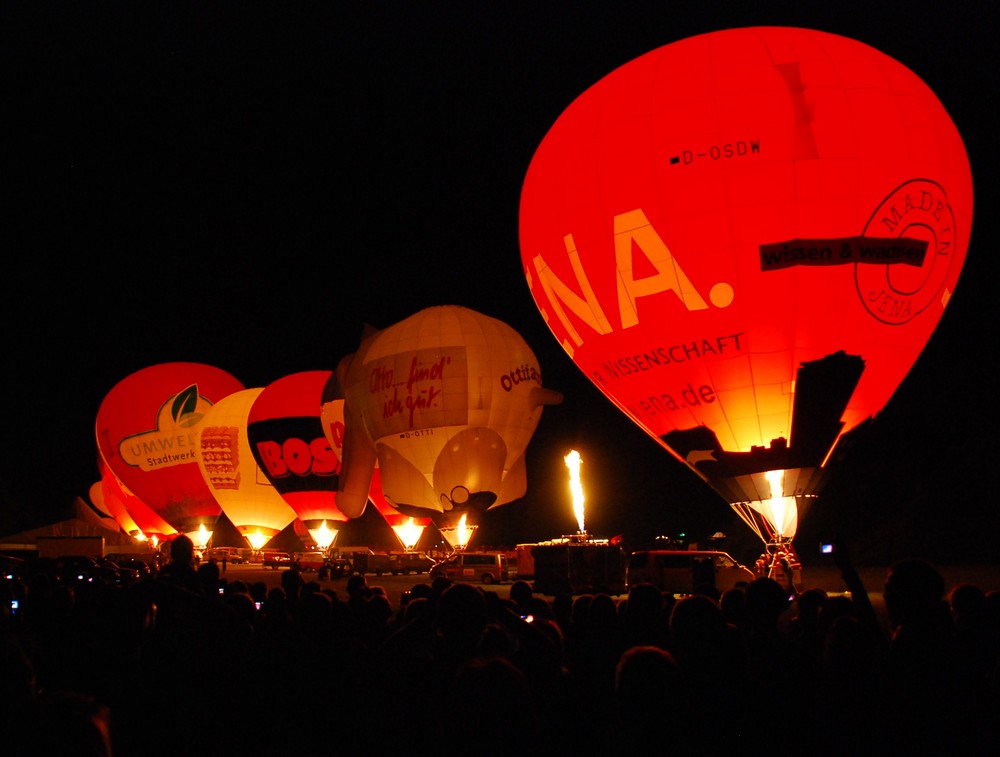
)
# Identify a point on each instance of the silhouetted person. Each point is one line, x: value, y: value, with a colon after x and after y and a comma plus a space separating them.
x: 733, y: 604
x: 807, y: 631
x: 848, y: 691
x: 358, y: 592
x: 181, y: 570
x: 461, y: 618
x: 292, y: 583
x: 652, y: 702
x: 482, y: 679
x: 922, y: 702
x: 712, y: 656
x: 520, y: 594
x: 19, y: 695
x: 210, y: 578
x: 72, y: 724
x: 562, y: 609
x: 598, y: 645
x: 643, y: 620
x: 772, y: 655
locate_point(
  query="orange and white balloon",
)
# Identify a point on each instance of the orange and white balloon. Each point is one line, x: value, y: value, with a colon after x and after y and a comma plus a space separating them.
x: 446, y: 401
x: 231, y: 473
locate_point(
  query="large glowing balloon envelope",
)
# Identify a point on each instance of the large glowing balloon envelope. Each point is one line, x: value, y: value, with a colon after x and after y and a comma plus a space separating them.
x: 287, y: 438
x: 231, y: 472
x: 146, y: 428
x: 447, y: 400
x: 745, y: 239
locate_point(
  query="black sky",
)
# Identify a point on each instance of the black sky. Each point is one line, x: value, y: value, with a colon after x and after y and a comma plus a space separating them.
x: 248, y: 185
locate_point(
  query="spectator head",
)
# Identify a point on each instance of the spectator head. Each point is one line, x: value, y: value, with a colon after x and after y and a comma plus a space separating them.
x: 182, y: 550
x: 914, y: 591
x: 733, y: 604
x: 209, y: 574
x: 521, y: 592
x: 766, y: 600
x: 357, y: 585
x: 462, y: 614
x: 966, y: 602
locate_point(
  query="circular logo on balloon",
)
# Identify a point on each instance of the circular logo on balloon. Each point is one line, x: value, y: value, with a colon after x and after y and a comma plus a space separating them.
x: 895, y: 294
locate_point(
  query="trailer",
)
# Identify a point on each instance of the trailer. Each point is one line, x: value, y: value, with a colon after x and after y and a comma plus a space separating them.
x: 579, y: 565
x: 395, y: 563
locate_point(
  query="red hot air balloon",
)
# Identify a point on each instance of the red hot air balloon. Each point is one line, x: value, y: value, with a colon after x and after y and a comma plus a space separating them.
x: 146, y: 433
x: 287, y: 439
x: 114, y: 510
x: 745, y: 239
x: 134, y: 516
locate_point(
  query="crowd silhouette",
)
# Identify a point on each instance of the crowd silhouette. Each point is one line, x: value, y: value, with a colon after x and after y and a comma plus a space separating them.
x: 187, y: 663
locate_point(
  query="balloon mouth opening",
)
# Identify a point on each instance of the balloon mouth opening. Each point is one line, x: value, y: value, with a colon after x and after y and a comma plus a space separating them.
x: 474, y: 503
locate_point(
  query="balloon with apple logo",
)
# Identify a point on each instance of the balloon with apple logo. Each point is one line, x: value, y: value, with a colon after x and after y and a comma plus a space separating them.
x: 745, y: 239
x: 146, y: 427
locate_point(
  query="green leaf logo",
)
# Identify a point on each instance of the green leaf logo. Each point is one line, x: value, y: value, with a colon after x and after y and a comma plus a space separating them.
x: 184, y: 403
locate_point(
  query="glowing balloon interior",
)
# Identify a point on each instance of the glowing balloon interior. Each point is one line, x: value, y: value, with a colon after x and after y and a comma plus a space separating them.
x: 446, y: 402
x: 228, y: 466
x: 745, y: 239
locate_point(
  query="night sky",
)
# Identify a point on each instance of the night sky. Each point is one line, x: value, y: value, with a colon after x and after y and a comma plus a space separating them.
x: 248, y: 186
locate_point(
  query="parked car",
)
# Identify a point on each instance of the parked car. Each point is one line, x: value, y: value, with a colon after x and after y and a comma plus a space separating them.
x: 12, y: 567
x: 72, y: 569
x: 121, y: 575
x: 307, y: 561
x: 275, y: 560
x: 474, y: 567
x: 124, y: 561
x: 684, y: 571
x: 339, y: 567
x: 231, y: 555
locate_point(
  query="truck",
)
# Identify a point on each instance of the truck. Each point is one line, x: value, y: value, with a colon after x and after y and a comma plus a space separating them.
x: 579, y: 567
x: 396, y: 563
x: 59, y: 546
x: 364, y: 560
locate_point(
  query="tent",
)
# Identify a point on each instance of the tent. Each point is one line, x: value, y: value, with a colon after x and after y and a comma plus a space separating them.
x: 86, y: 521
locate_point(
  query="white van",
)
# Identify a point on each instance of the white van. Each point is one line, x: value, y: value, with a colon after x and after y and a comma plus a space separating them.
x: 685, y: 571
x: 474, y: 567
